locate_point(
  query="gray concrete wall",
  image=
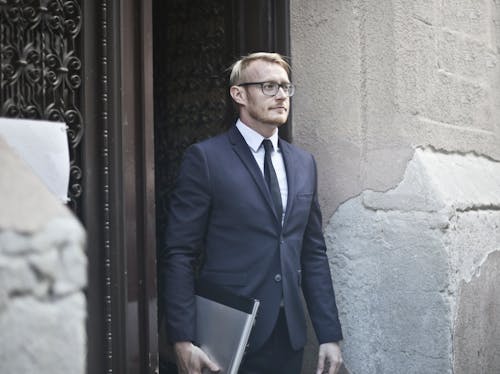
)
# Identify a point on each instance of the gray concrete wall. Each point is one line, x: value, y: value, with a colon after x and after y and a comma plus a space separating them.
x: 42, y: 276
x: 415, y: 269
x: 476, y: 343
x: 376, y: 80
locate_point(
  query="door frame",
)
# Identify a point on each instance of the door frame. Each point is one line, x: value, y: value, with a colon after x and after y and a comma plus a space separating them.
x: 118, y: 187
x: 118, y: 199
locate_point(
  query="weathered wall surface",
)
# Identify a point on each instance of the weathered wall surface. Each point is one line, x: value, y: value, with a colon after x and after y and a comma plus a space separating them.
x: 414, y: 269
x: 378, y: 78
x: 381, y: 83
x: 42, y: 276
x: 477, y: 328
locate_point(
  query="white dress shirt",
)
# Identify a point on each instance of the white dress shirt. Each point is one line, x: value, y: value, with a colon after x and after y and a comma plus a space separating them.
x: 254, y: 141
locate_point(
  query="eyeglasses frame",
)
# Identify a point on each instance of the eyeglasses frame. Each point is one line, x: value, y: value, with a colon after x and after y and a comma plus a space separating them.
x: 280, y: 85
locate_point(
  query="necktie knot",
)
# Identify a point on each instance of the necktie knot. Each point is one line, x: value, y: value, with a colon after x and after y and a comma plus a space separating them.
x: 268, y: 145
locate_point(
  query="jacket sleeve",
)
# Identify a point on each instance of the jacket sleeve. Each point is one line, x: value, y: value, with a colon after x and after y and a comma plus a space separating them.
x: 186, y: 226
x: 316, y: 279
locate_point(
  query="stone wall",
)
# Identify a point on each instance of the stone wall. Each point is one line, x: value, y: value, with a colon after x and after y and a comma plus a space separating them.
x: 384, y: 86
x: 42, y: 276
x: 416, y: 268
x: 376, y: 79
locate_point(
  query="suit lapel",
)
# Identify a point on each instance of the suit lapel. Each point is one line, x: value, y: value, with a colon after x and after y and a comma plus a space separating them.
x: 291, y: 175
x: 241, y: 148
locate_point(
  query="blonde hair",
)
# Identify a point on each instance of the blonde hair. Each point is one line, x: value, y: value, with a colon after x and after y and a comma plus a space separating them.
x: 240, y: 66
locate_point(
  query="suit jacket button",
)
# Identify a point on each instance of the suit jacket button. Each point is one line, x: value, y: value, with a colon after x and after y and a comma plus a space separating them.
x: 277, y: 278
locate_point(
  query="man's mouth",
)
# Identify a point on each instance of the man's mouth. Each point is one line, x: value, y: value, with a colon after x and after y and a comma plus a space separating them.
x: 280, y: 108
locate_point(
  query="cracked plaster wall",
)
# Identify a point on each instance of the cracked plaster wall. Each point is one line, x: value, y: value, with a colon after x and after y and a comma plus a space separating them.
x: 42, y: 276
x: 376, y: 80
x: 415, y: 269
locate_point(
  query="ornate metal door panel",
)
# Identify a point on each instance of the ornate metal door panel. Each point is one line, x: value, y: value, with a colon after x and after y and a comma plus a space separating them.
x: 41, y: 70
x: 191, y: 55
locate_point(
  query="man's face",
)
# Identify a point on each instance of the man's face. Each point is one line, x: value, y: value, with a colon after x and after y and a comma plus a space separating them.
x: 257, y: 108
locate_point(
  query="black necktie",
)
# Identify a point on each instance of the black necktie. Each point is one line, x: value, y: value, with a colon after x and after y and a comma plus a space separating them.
x: 271, y: 178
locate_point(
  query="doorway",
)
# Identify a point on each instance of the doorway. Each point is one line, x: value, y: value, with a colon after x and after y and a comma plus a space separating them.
x: 194, y: 43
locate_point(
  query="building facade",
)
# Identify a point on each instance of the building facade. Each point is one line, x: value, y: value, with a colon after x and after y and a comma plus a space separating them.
x: 398, y: 100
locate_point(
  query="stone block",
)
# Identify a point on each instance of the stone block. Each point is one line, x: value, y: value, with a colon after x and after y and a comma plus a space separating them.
x: 477, y: 321
x: 466, y: 57
x: 42, y: 276
x: 424, y: 10
x: 404, y: 261
x: 43, y: 337
x: 16, y: 276
x: 472, y: 17
x: 461, y: 103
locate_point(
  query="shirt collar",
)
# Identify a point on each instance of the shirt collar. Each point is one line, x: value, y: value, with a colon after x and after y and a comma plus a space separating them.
x: 253, y: 138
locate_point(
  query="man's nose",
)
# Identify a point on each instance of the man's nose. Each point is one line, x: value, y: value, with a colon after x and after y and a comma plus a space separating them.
x: 281, y: 93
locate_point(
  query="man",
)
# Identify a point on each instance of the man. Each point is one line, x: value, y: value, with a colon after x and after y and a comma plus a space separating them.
x: 251, y: 208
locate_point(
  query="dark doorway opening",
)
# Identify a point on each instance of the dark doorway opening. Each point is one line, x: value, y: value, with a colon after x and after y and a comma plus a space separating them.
x: 194, y: 43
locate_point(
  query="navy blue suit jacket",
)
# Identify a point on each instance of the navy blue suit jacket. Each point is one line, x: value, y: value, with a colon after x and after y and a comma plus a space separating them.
x: 221, y: 206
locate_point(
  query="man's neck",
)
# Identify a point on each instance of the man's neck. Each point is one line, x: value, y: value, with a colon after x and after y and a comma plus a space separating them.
x: 266, y: 130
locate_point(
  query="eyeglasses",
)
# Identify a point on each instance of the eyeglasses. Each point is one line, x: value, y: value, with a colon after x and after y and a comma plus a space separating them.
x: 272, y: 88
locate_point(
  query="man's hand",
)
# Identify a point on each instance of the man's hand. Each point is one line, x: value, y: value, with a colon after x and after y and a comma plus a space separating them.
x: 329, y: 358
x: 191, y: 359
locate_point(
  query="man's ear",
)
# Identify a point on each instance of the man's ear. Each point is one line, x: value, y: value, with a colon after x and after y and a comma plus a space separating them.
x: 238, y: 95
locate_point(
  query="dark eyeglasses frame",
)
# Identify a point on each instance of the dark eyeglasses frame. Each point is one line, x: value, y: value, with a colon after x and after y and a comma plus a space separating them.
x: 288, y: 88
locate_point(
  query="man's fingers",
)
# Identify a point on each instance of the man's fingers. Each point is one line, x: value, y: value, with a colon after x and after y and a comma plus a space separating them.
x: 209, y: 363
x: 321, y: 362
x: 329, y: 358
x: 335, y: 364
x: 191, y: 359
x: 334, y: 367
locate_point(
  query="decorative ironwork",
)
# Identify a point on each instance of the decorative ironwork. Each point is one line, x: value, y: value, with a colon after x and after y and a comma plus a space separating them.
x: 41, y: 70
x: 190, y: 85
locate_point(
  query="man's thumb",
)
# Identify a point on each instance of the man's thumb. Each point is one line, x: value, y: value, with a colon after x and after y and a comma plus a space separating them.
x: 211, y: 365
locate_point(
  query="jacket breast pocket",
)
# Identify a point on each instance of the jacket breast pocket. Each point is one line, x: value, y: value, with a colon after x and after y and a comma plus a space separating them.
x: 302, y: 205
x: 304, y: 198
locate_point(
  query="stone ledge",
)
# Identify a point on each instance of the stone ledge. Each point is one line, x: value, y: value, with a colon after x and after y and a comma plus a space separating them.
x: 436, y: 180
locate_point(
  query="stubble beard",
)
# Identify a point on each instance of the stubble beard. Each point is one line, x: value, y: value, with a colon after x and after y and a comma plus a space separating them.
x: 273, y: 120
